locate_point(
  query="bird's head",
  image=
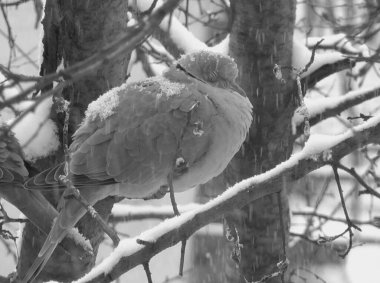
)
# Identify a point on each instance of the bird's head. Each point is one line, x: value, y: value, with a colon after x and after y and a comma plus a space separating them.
x: 214, y: 68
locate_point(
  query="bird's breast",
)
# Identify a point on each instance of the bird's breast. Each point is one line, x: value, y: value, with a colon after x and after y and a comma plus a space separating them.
x: 228, y: 131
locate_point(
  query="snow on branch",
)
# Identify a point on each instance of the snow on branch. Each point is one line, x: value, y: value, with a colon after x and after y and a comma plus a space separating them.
x: 301, y: 56
x: 125, y: 212
x: 338, y: 41
x: 322, y: 108
x: 37, y: 133
x: 318, y: 151
x: 180, y: 35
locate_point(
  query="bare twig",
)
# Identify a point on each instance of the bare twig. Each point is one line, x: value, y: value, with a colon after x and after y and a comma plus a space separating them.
x: 6, y: 234
x: 283, y: 237
x: 19, y: 49
x: 182, y: 259
x: 172, y: 197
x: 349, y: 222
x: 187, y: 14
x: 5, y: 218
x: 321, y: 240
x: 147, y: 272
x: 177, y: 213
x: 352, y: 172
x: 307, y: 66
x: 15, y: 3
x: 11, y: 40
x: 17, y: 77
x: 151, y: 8
x: 372, y: 222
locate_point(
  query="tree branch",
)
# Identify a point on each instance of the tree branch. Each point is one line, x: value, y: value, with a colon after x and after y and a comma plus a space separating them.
x: 133, y: 37
x: 323, y: 108
x: 129, y: 254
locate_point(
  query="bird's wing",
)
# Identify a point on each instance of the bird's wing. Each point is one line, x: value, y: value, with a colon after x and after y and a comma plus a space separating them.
x: 156, y: 122
x: 12, y: 166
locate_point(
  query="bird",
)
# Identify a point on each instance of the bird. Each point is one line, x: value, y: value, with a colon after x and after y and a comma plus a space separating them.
x: 13, y: 174
x: 179, y: 129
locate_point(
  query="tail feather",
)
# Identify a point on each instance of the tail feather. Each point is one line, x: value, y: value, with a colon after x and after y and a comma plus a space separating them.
x: 39, y: 264
x: 67, y: 218
x: 54, y: 238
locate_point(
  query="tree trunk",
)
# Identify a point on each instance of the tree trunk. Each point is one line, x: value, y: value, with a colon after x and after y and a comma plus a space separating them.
x: 74, y: 30
x: 261, y: 37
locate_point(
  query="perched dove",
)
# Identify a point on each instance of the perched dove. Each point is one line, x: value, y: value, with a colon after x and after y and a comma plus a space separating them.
x: 184, y: 126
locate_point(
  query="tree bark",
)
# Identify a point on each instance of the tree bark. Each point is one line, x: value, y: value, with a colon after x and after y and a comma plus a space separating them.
x: 74, y: 30
x: 261, y: 37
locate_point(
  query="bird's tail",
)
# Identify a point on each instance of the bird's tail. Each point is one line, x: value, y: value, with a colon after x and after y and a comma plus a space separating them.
x: 55, y: 236
x: 67, y: 218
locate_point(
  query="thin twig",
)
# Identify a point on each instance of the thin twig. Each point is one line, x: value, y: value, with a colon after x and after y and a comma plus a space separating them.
x: 15, y: 3
x: 134, y: 35
x: 18, y: 48
x: 11, y: 40
x: 147, y: 272
x: 349, y: 222
x: 151, y: 8
x: 17, y: 77
x: 182, y: 260
x: 283, y: 237
x: 172, y: 197
x: 177, y: 213
x: 187, y: 14
x: 321, y: 239
x: 331, y: 218
x: 307, y: 66
x: 352, y: 172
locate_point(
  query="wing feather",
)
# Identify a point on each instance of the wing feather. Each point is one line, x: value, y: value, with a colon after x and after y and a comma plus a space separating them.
x: 139, y: 143
x: 12, y: 165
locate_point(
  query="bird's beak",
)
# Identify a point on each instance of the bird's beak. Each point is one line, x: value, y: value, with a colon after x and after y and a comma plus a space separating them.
x: 235, y: 87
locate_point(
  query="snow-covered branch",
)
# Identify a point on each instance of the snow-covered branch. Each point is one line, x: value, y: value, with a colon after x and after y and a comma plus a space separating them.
x: 318, y: 150
x: 323, y: 108
x: 176, y: 34
x: 125, y: 212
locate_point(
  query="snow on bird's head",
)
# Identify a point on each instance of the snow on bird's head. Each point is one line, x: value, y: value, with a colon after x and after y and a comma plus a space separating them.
x: 210, y: 66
